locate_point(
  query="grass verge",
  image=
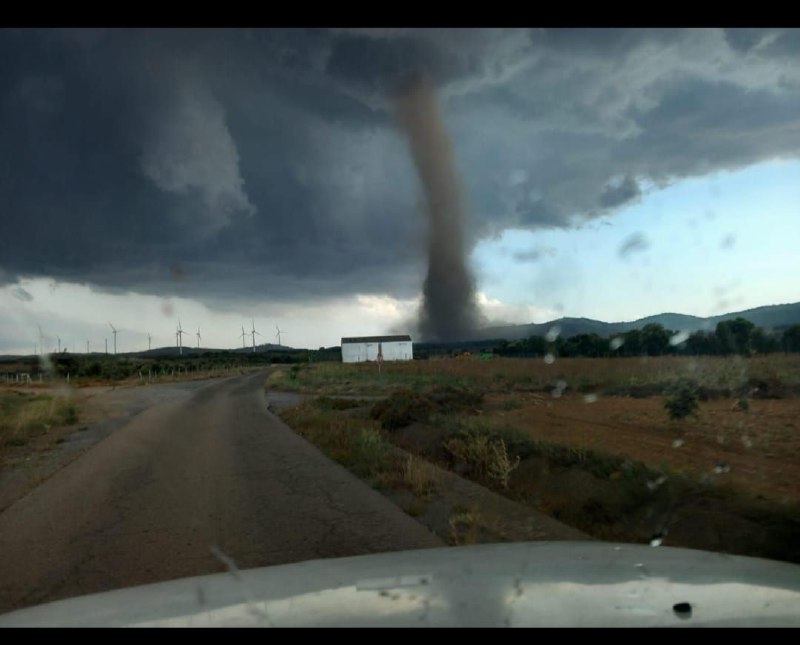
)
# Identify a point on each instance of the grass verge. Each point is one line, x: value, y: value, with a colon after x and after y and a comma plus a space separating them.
x: 24, y: 416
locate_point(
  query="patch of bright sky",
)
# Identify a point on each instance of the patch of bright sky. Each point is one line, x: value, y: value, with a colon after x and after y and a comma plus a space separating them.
x: 705, y: 246
x: 76, y: 313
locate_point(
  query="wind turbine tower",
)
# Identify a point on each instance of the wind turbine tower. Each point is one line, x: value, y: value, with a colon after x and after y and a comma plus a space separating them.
x: 244, y: 335
x: 254, y: 332
x: 114, y: 331
x: 278, y: 335
x: 198, y: 338
x: 180, y: 334
x: 148, y: 341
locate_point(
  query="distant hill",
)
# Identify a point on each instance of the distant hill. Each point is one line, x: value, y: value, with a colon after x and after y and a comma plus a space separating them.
x: 771, y: 316
x: 173, y: 352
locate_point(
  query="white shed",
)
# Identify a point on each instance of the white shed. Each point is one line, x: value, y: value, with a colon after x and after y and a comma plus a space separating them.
x: 366, y: 348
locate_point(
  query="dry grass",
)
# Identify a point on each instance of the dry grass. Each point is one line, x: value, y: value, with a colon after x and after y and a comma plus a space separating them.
x: 24, y: 416
x: 464, y: 527
x: 514, y: 374
x: 420, y: 477
x: 610, y: 465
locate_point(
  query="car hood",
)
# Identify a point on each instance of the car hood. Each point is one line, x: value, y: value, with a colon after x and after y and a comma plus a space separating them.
x: 575, y: 584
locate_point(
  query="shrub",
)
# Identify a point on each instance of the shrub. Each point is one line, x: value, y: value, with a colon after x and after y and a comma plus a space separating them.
x: 329, y: 403
x: 402, y: 408
x: 370, y: 454
x: 405, y: 406
x: 486, y: 457
x: 518, y: 442
x: 464, y: 527
x: 69, y: 413
x: 449, y: 398
x: 419, y: 476
x: 681, y: 399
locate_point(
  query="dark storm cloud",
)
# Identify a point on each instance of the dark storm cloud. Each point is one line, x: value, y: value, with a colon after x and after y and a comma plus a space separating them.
x: 619, y: 193
x: 268, y: 163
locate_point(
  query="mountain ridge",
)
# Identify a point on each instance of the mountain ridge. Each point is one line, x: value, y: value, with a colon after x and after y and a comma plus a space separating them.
x: 769, y: 316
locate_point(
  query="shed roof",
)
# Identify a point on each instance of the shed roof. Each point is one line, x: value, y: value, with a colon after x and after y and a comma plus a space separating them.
x: 375, y: 339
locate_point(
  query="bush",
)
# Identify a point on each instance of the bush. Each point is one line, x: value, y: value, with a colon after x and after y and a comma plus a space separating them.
x: 486, y: 457
x: 518, y: 442
x: 682, y: 399
x: 69, y: 414
x: 370, y: 453
x: 329, y: 403
x: 448, y: 398
x: 406, y: 406
x: 401, y: 409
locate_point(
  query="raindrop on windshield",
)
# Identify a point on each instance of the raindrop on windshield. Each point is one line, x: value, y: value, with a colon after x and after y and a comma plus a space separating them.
x: 655, y: 483
x: 677, y: 443
x: 589, y: 398
x: 552, y: 333
x: 678, y: 338
x: 617, y: 342
x: 549, y: 358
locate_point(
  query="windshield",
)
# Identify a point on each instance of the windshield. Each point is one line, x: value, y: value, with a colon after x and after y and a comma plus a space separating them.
x: 279, y: 295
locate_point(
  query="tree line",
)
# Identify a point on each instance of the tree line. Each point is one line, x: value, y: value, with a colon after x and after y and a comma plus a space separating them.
x: 737, y: 336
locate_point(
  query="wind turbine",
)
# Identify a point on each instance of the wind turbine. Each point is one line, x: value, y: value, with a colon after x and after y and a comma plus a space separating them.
x: 41, y: 339
x: 254, y: 332
x: 148, y: 341
x: 244, y: 335
x: 179, y: 334
x: 114, y: 331
x: 87, y: 346
x: 106, y: 345
x: 278, y: 335
x: 59, y: 344
x: 198, y: 338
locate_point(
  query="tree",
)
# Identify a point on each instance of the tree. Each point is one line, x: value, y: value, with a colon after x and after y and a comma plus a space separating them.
x: 681, y: 399
x: 702, y: 342
x: 633, y: 343
x: 763, y: 342
x: 734, y: 336
x: 791, y: 339
x: 655, y: 339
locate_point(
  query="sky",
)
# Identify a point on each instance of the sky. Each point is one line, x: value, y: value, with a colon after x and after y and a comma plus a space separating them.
x: 236, y: 177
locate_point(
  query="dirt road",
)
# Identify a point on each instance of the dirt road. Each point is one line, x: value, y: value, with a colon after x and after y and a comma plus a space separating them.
x: 181, y: 489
